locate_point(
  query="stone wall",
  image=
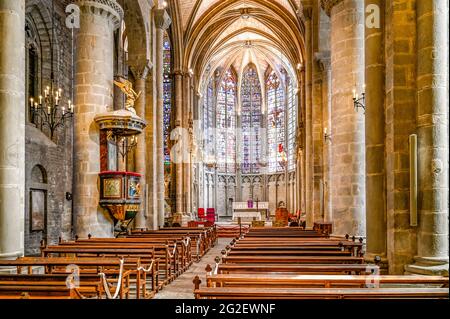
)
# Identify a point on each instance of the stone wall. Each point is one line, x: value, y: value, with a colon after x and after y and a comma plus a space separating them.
x: 269, y: 188
x: 55, y: 157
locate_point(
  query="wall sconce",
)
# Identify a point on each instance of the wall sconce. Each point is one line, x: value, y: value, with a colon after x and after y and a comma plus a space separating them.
x: 68, y: 196
x: 326, y: 135
x: 359, y: 101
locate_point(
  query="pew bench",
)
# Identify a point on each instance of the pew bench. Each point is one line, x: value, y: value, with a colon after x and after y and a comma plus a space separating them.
x: 46, y: 290
x: 317, y: 281
x: 338, y: 269
x: 292, y: 260
x: 60, y: 266
x: 320, y: 293
x: 168, y: 254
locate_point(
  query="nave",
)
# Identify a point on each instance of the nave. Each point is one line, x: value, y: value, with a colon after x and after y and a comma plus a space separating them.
x: 134, y: 133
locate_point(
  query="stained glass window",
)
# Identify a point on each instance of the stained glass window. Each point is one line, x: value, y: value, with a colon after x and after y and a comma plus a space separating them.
x: 208, y: 119
x: 226, y: 124
x: 251, y: 121
x: 276, y: 117
x: 167, y: 94
x: 292, y: 123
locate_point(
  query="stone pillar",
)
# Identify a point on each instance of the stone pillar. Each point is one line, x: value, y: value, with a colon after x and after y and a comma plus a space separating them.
x: 93, y: 95
x: 162, y: 22
x: 12, y: 128
x: 317, y: 136
x: 432, y: 133
x: 302, y: 142
x: 376, y: 223
x: 325, y: 64
x: 140, y: 71
x: 187, y: 118
x: 309, y: 148
x: 151, y: 150
x: 348, y: 144
x: 178, y: 125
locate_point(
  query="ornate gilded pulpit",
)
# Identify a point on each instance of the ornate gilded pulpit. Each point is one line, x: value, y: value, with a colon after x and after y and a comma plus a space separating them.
x: 120, y: 190
x: 120, y: 193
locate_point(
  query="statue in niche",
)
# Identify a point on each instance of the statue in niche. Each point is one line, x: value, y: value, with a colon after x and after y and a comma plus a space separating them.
x: 127, y: 88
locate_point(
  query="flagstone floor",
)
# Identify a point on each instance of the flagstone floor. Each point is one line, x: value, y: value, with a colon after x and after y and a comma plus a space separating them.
x: 183, y: 287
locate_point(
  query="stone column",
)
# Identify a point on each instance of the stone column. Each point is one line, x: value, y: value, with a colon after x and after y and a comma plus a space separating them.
x: 302, y: 142
x: 317, y: 136
x: 309, y: 148
x: 325, y: 64
x: 93, y: 95
x: 12, y: 128
x: 140, y: 71
x: 151, y: 151
x: 162, y: 22
x: 376, y: 223
x: 187, y: 118
x: 348, y: 145
x: 432, y: 133
x: 178, y: 125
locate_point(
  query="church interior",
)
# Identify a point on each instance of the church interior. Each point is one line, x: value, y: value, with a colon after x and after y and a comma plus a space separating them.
x: 204, y: 149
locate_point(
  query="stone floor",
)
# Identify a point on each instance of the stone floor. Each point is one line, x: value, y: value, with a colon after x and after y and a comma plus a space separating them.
x: 182, y: 287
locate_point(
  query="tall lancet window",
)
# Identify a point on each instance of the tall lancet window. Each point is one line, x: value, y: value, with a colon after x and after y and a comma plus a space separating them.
x: 208, y: 119
x: 167, y: 94
x: 251, y: 120
x: 226, y: 124
x: 276, y: 126
x: 292, y: 122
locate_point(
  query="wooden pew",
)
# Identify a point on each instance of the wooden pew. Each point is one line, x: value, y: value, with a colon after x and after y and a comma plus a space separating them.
x: 321, y: 293
x: 296, y: 264
x: 357, y: 269
x: 173, y: 256
x: 290, y: 252
x: 317, y: 281
x: 183, y: 245
x: 56, y: 268
x: 210, y: 232
x: 292, y: 260
x: 314, y: 244
x: 46, y: 290
x: 145, y: 255
x: 197, y: 246
x: 206, y: 236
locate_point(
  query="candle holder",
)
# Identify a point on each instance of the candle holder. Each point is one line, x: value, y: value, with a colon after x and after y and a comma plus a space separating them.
x: 359, y: 102
x: 326, y: 135
x: 125, y: 144
x: 48, y: 112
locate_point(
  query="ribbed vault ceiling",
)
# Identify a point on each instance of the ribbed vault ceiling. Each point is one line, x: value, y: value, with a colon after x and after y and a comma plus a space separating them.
x: 223, y: 33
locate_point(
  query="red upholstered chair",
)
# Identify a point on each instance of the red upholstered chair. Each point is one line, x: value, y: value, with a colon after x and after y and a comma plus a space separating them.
x: 201, y: 213
x: 211, y: 215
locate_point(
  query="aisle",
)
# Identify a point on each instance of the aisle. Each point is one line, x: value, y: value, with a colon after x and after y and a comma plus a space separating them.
x: 182, y: 287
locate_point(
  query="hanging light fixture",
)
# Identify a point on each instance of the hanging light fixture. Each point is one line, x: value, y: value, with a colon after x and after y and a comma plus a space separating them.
x: 48, y: 109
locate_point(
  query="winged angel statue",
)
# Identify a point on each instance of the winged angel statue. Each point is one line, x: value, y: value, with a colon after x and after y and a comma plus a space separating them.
x: 127, y: 88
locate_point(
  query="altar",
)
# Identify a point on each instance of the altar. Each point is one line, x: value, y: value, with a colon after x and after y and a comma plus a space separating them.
x: 249, y: 211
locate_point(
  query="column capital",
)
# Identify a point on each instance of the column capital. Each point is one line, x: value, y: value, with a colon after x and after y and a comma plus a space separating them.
x: 327, y: 5
x: 324, y: 59
x: 140, y: 69
x: 178, y: 72
x: 107, y: 8
x: 162, y: 19
x: 305, y: 13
